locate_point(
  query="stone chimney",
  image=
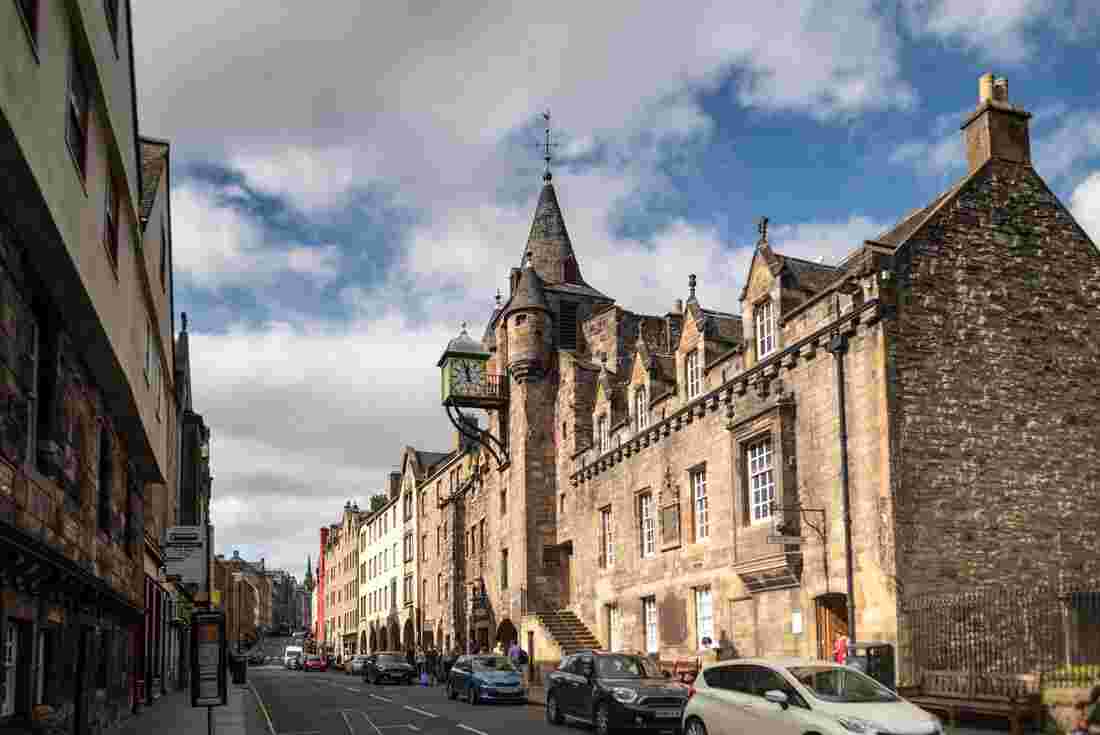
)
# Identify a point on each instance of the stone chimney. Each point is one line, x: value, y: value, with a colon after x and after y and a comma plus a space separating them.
x: 394, y: 484
x: 996, y: 129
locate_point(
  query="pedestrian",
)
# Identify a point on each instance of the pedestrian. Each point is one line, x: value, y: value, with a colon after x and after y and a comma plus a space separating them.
x: 840, y: 649
x: 431, y: 658
x: 421, y: 661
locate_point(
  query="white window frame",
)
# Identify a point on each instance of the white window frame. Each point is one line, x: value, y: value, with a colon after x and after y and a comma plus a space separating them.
x: 694, y: 371
x: 641, y: 408
x: 603, y: 442
x: 704, y: 615
x: 699, y: 502
x: 648, y: 523
x: 615, y: 628
x: 607, y: 530
x: 649, y: 621
x: 764, y: 320
x: 759, y: 459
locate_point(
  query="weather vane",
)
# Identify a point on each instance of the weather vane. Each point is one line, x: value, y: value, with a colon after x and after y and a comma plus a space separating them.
x: 548, y: 146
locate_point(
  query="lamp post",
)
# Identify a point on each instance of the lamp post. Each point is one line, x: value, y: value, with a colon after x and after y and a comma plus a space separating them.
x: 237, y: 577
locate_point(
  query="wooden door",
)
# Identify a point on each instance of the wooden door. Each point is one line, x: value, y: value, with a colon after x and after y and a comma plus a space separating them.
x: 832, y: 621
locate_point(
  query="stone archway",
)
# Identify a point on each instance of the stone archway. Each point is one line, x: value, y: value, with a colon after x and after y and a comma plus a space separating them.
x: 507, y: 634
x: 395, y: 636
x: 383, y: 639
x: 409, y: 636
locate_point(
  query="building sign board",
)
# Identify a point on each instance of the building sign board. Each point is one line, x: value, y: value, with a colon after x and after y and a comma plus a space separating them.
x: 784, y: 539
x: 185, y: 554
x: 208, y: 659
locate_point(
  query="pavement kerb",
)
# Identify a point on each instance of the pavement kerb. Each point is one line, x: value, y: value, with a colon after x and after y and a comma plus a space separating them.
x: 263, y: 707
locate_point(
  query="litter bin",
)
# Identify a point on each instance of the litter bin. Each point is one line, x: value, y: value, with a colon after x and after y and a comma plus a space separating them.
x: 874, y: 658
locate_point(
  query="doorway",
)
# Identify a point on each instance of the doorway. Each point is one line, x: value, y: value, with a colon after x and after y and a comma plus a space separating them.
x: 832, y: 621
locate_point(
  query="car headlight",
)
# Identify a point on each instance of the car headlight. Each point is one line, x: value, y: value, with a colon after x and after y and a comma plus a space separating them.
x: 860, y: 725
x: 624, y: 695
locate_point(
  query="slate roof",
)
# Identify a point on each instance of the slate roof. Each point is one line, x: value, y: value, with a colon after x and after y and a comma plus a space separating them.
x: 551, y: 250
x: 528, y: 293
x: 723, y: 326
x: 428, y: 460
x: 154, y: 159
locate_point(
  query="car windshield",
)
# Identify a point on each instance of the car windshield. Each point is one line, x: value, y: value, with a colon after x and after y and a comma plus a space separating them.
x: 389, y: 658
x: 841, y: 684
x: 624, y: 667
x: 492, y: 663
x: 314, y: 658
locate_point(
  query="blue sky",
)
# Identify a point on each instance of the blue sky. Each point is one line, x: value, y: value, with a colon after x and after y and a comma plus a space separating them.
x: 348, y: 187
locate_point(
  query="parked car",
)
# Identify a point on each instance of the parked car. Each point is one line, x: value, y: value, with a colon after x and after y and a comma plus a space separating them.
x: 355, y: 664
x: 614, y: 690
x: 389, y: 666
x: 291, y: 652
x: 314, y: 663
x: 797, y: 695
x: 294, y: 663
x: 485, y: 679
x: 257, y: 658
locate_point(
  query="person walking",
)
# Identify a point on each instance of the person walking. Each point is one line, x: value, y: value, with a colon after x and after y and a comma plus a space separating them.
x: 840, y: 649
x: 421, y: 660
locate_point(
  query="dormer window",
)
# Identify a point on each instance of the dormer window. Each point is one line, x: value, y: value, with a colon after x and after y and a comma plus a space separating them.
x: 694, y: 374
x: 641, y: 408
x: 765, y: 329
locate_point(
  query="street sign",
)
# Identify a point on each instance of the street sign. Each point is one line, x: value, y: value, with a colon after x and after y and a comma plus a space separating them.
x: 785, y: 540
x: 208, y: 659
x: 185, y: 553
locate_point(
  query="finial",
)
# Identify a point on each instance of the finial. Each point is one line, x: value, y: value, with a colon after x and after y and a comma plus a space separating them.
x: 762, y: 228
x: 464, y: 326
x: 498, y: 298
x: 691, y: 287
x: 183, y: 318
x: 547, y: 154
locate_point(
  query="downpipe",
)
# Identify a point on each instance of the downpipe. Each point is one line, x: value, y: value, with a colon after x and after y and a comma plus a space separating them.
x: 838, y: 346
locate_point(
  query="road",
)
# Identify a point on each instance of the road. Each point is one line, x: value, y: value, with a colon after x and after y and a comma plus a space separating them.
x: 334, y: 703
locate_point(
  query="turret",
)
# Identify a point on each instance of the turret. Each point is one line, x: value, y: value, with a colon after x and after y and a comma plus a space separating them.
x: 528, y: 324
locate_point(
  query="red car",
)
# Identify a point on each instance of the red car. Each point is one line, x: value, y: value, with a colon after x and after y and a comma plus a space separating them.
x: 315, y: 663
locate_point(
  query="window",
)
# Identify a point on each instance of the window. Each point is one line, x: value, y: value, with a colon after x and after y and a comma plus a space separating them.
x: 694, y: 374
x: 439, y: 586
x: 648, y: 525
x: 76, y: 121
x: 481, y: 533
x: 615, y: 628
x: 503, y: 501
x: 761, y: 480
x: 699, y: 501
x: 110, y: 7
x: 561, y: 503
x: 394, y: 557
x: 11, y: 667
x: 603, y: 442
x: 408, y: 505
x: 106, y: 465
x: 408, y: 547
x: 649, y: 620
x: 567, y: 326
x: 607, y: 539
x: 424, y: 547
x: 504, y: 569
x: 765, y: 329
x: 408, y: 589
x: 385, y: 559
x: 41, y: 665
x: 110, y: 219
x: 29, y: 10
x: 704, y: 616
x: 18, y: 358
x: 641, y: 408
x: 438, y: 540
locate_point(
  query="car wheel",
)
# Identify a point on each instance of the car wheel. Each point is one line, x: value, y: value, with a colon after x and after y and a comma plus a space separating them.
x: 472, y: 695
x: 695, y: 726
x: 553, y: 713
x: 603, y: 719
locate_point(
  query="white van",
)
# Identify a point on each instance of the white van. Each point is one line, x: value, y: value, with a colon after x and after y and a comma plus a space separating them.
x: 291, y: 652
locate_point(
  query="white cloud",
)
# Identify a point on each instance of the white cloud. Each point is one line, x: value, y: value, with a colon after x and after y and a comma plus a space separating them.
x: 1085, y: 205
x: 830, y: 241
x: 1073, y: 142
x: 931, y: 158
x: 215, y: 245
x: 997, y: 29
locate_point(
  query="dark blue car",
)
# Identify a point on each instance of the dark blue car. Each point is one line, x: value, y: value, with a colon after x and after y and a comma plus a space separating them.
x: 486, y: 679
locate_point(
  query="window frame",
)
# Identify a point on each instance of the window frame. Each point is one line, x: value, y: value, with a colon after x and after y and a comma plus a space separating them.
x: 111, y: 225
x: 78, y: 118
x: 504, y: 569
x: 607, y: 538
x: 700, y: 503
x: 764, y: 328
x: 29, y: 11
x: 767, y: 474
x: 698, y: 594
x: 693, y: 370
x: 647, y: 524
x: 603, y: 433
x: 641, y: 408
x: 649, y: 624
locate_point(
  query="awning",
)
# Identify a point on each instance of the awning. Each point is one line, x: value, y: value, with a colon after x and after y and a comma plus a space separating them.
x: 33, y: 566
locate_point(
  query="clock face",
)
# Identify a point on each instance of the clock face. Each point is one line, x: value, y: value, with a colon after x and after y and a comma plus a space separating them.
x: 466, y: 373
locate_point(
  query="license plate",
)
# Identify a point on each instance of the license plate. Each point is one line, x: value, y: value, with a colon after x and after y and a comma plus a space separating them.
x: 668, y: 713
x: 507, y: 690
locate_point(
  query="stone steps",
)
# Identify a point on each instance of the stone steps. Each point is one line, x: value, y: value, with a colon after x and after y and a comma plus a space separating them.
x: 567, y: 630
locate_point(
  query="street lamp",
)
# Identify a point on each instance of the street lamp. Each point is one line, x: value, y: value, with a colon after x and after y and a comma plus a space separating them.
x: 237, y: 577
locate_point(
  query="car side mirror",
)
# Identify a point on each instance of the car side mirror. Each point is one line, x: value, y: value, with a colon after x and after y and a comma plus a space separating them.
x: 777, y: 697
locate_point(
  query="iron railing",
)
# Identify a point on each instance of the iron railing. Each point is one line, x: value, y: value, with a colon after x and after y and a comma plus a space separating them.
x: 1039, y: 629
x: 490, y: 386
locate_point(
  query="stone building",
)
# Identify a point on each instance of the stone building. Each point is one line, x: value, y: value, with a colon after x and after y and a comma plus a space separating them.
x: 919, y: 414
x: 245, y: 599
x: 387, y: 573
x: 341, y: 555
x: 88, y: 443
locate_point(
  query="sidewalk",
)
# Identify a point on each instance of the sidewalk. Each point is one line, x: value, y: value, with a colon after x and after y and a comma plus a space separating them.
x: 173, y: 714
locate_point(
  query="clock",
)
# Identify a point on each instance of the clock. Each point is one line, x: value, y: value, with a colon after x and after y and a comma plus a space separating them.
x: 463, y: 369
x: 467, y: 375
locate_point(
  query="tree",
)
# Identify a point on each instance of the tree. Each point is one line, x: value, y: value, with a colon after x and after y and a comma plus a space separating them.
x: 376, y: 502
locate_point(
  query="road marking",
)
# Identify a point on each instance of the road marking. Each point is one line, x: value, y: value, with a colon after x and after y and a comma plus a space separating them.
x: 476, y: 732
x: 420, y: 711
x: 263, y: 707
x: 303, y: 732
x: 353, y: 689
x: 379, y: 696
x: 369, y: 721
x: 347, y: 723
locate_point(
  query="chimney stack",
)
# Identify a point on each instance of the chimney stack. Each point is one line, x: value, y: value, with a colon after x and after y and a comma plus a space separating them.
x: 395, y: 484
x: 996, y: 129
x: 678, y: 308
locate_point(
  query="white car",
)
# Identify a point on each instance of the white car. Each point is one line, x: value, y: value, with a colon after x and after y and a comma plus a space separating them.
x: 798, y: 696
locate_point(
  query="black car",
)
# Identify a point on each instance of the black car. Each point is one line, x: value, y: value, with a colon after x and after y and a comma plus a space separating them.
x: 485, y: 679
x: 383, y: 667
x: 614, y: 690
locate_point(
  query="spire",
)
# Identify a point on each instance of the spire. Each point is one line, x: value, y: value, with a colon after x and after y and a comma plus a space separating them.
x: 528, y: 293
x: 691, y: 288
x: 762, y: 228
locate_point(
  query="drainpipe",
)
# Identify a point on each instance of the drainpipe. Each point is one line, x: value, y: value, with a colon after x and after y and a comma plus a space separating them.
x: 838, y: 345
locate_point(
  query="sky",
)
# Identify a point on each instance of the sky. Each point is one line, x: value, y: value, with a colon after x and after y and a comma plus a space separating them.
x: 350, y: 185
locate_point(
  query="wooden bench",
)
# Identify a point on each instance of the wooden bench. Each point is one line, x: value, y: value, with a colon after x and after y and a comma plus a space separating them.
x: 1015, y: 697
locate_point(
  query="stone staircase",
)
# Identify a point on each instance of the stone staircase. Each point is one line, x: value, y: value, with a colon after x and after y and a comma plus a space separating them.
x: 568, y: 630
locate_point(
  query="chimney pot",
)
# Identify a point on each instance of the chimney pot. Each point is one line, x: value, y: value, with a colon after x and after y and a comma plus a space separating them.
x: 679, y: 307
x: 985, y: 88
